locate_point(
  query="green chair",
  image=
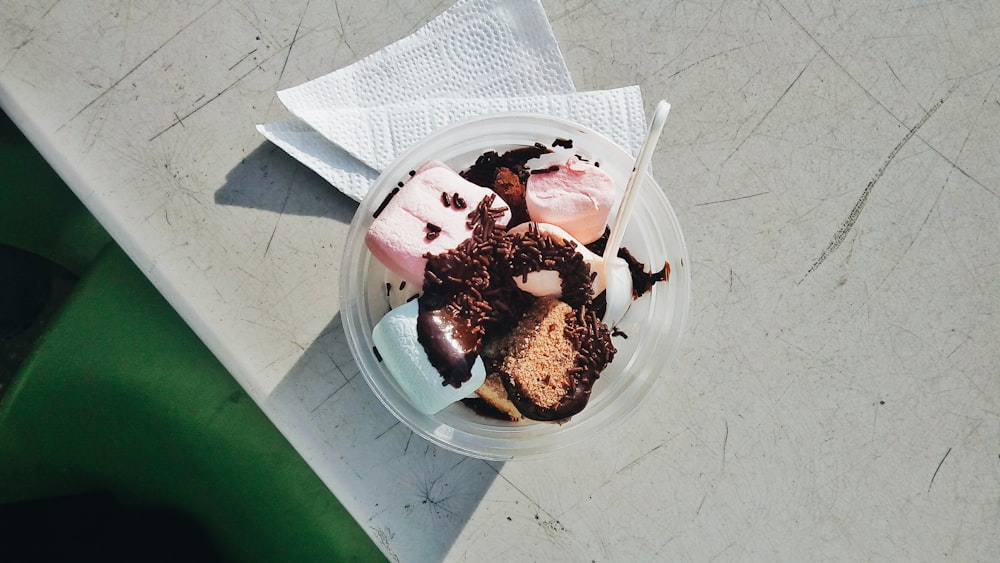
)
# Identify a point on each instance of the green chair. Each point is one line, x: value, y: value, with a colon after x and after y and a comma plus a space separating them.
x: 122, y: 428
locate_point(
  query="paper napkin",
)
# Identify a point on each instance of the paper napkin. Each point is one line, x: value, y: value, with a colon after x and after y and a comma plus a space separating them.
x: 478, y: 57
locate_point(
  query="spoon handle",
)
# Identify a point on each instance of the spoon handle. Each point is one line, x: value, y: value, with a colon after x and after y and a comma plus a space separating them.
x: 631, y: 188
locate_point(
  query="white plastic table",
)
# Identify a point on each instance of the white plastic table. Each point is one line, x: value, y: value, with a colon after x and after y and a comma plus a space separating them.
x: 836, y: 168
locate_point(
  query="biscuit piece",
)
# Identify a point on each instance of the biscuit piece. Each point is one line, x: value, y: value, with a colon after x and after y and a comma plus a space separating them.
x: 495, y: 394
x: 548, y: 363
x: 538, y: 356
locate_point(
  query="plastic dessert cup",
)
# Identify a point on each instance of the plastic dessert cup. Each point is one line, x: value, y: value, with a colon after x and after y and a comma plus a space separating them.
x: 653, y: 324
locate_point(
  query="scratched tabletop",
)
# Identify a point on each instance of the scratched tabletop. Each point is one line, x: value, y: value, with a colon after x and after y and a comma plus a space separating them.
x: 835, y: 168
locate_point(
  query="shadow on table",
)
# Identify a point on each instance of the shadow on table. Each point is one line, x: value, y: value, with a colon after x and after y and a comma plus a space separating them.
x: 271, y: 180
x: 411, y: 496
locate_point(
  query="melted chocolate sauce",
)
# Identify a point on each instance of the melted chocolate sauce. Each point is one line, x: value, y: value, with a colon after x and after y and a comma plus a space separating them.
x: 451, y: 343
x: 642, y: 281
x: 565, y: 143
x: 484, y: 171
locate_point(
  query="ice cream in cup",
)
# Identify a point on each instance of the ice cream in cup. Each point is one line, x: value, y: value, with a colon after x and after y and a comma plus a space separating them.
x: 473, y: 290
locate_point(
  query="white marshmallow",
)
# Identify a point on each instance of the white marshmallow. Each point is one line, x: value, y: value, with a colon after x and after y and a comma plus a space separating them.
x: 395, y: 338
x: 619, y: 290
x: 548, y: 283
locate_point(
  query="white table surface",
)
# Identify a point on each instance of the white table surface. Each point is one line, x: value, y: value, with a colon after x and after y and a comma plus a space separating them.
x: 836, y: 168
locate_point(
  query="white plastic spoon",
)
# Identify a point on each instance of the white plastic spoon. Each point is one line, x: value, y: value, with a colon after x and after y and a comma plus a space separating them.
x: 619, y: 279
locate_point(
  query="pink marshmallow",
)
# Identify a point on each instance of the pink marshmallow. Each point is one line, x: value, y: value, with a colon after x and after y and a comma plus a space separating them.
x: 416, y: 220
x: 577, y: 197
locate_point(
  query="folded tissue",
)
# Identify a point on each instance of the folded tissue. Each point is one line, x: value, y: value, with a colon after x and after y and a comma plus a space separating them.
x: 479, y: 57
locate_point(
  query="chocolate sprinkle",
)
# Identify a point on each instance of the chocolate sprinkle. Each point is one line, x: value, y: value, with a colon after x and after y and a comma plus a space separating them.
x: 533, y: 251
x: 444, y: 199
x: 552, y: 168
x: 385, y: 202
x: 588, y: 334
x: 377, y: 355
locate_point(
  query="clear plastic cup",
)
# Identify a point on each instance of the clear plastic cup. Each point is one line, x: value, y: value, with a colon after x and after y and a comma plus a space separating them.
x: 653, y: 324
